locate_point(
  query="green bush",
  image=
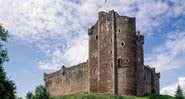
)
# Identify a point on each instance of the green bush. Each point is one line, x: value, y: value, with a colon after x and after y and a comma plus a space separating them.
x: 155, y: 96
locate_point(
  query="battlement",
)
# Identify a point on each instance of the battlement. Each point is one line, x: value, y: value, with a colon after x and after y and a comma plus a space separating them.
x: 107, y: 13
x: 140, y: 37
x: 91, y: 29
x: 112, y: 13
x: 158, y: 75
x: 151, y: 71
x: 148, y: 68
x: 63, y: 70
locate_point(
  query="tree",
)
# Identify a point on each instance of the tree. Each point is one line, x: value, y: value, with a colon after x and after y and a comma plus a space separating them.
x: 41, y: 93
x: 7, y: 86
x: 18, y: 97
x: 29, y: 95
x: 179, y: 93
x: 33, y: 97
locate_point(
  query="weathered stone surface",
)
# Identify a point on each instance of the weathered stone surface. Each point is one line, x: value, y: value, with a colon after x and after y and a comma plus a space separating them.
x: 140, y: 64
x: 115, y: 64
x: 151, y: 80
x: 68, y: 80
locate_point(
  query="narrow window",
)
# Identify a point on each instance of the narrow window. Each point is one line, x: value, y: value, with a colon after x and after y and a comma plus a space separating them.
x: 119, y: 62
x: 111, y: 40
x: 111, y: 52
x: 94, y: 71
x: 96, y: 37
x: 119, y: 30
x: 126, y: 60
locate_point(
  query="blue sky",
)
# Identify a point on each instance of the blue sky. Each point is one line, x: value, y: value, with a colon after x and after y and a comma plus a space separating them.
x: 45, y: 34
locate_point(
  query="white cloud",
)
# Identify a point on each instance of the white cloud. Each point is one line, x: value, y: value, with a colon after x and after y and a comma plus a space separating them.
x: 54, y: 61
x: 77, y: 52
x: 41, y: 19
x: 51, y: 24
x: 170, y: 54
x: 170, y: 89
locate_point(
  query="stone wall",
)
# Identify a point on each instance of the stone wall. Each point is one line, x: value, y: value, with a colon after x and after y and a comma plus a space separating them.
x: 68, y: 80
x: 126, y: 55
x: 93, y: 57
x: 147, y: 79
x: 101, y: 55
x: 155, y: 82
x: 140, y: 64
x: 151, y: 79
x: 106, y: 71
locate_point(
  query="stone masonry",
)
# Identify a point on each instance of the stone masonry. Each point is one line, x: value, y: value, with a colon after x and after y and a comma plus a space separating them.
x: 115, y: 65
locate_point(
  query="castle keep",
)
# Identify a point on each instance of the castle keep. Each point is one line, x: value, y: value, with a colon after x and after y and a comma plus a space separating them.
x: 115, y: 65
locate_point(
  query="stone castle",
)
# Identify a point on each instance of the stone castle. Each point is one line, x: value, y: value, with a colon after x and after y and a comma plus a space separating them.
x: 115, y: 65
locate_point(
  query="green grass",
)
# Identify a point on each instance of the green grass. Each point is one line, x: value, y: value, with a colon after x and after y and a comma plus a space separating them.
x: 95, y: 96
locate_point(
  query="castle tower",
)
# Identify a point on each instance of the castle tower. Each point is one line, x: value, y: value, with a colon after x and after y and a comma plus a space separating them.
x: 101, y: 55
x: 112, y: 55
x: 126, y: 55
x: 140, y: 64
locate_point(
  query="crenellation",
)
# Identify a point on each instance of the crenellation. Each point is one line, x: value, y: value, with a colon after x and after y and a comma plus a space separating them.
x: 140, y: 37
x: 151, y: 80
x: 51, y: 75
x: 90, y: 30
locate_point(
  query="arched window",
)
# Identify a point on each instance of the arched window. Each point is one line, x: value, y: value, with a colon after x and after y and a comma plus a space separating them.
x: 94, y: 71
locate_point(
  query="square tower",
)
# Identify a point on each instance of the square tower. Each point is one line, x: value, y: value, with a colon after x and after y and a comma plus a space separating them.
x: 112, y: 55
x: 101, y: 51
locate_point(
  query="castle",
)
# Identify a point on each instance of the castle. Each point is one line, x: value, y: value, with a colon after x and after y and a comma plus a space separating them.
x: 115, y: 65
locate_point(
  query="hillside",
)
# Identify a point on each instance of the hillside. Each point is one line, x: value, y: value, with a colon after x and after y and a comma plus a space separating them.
x: 95, y: 96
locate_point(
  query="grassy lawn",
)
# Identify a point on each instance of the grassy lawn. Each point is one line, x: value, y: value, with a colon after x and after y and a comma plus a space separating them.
x: 95, y: 96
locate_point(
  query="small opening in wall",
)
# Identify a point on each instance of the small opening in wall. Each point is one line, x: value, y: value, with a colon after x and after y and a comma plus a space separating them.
x: 94, y: 71
x: 96, y: 37
x: 126, y: 60
x: 111, y: 52
x: 119, y: 62
x: 123, y: 44
x: 111, y: 40
x: 119, y: 30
